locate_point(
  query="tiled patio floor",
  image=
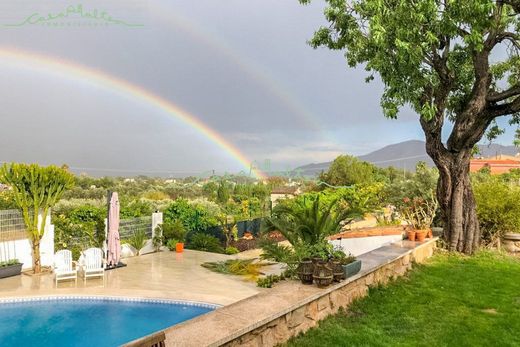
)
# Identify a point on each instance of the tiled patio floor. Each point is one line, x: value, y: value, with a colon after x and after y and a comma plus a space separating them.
x: 158, y: 275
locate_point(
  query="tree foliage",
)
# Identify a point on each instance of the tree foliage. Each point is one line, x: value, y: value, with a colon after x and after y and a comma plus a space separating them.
x: 347, y: 170
x: 420, y: 184
x: 418, y: 46
x: 36, y: 190
x: 448, y: 60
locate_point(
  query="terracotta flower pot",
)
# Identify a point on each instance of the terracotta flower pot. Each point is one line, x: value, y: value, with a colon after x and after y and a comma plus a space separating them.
x: 420, y: 235
x: 179, y: 247
x: 411, y: 235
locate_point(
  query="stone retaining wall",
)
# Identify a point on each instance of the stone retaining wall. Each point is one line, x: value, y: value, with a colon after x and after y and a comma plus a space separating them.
x: 275, y: 315
x: 307, y: 316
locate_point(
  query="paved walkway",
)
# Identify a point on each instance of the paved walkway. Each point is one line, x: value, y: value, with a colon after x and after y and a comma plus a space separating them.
x: 157, y: 275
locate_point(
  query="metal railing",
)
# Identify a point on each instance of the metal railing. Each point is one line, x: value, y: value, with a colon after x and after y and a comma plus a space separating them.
x: 128, y: 227
x: 12, y: 225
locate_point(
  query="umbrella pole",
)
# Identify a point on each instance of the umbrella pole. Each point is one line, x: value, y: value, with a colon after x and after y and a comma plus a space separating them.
x: 109, y: 197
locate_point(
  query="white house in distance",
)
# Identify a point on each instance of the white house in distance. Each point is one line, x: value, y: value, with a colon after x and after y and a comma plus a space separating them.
x: 284, y: 193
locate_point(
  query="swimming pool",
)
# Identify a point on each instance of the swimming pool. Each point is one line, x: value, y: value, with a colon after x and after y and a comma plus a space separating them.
x: 89, y: 321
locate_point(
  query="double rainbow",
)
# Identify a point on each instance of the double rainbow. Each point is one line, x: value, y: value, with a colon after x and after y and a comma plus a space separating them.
x: 82, y: 74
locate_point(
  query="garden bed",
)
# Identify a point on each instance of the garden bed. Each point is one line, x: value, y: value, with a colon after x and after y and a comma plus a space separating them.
x: 250, y: 242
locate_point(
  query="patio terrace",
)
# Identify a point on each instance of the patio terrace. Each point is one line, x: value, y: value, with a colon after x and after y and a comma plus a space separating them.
x: 158, y: 275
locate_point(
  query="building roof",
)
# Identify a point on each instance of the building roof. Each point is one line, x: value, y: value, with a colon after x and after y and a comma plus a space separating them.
x: 499, y: 165
x: 496, y: 161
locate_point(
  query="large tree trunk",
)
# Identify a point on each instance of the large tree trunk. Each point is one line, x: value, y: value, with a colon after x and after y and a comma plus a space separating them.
x: 456, y: 199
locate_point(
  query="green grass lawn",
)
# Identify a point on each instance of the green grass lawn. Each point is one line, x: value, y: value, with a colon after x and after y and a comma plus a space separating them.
x: 450, y: 301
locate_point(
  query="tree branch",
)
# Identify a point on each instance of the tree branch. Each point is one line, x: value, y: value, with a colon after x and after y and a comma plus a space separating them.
x: 511, y: 37
x: 495, y: 96
x: 505, y: 109
x: 515, y: 4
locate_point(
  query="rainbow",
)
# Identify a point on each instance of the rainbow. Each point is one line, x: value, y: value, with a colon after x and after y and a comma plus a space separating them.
x: 80, y: 73
x: 258, y: 73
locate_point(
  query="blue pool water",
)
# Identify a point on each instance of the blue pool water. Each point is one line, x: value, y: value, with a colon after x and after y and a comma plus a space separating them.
x: 88, y: 322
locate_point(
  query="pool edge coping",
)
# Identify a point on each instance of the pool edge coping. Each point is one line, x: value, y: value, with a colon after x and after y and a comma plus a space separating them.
x: 39, y: 298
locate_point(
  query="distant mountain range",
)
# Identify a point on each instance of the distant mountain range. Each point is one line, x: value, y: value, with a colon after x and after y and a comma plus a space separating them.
x: 403, y: 155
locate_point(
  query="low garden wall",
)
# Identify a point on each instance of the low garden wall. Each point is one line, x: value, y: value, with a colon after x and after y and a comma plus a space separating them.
x: 362, y: 240
x: 275, y: 315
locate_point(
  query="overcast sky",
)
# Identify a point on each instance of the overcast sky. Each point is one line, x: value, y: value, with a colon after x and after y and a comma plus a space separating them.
x: 242, y: 67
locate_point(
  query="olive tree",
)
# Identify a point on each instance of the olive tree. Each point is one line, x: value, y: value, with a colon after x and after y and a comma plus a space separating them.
x: 455, y: 63
x: 36, y: 190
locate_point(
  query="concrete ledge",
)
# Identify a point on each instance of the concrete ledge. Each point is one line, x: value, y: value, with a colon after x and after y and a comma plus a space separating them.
x: 275, y: 315
x: 368, y: 232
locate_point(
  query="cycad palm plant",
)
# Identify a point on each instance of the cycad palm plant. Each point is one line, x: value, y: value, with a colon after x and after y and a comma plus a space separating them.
x: 307, y: 223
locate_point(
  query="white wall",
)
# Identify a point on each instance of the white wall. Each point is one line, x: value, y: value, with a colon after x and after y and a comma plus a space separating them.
x: 23, y: 250
x: 361, y: 245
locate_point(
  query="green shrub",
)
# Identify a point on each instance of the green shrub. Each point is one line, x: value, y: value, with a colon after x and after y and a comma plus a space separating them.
x: 205, y: 242
x: 498, y: 207
x: 421, y: 184
x: 268, y: 281
x: 157, y: 240
x: 171, y: 244
x: 7, y: 201
x: 194, y: 217
x: 136, y: 208
x: 79, y: 225
x: 9, y: 262
x: 231, y: 250
x: 174, y: 230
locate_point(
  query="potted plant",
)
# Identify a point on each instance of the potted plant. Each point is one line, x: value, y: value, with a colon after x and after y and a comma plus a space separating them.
x: 305, y: 270
x: 306, y: 222
x: 157, y: 240
x: 320, y: 251
x: 323, y: 274
x: 305, y: 267
x: 419, y: 213
x: 351, y: 265
x: 10, y: 268
x: 336, y: 259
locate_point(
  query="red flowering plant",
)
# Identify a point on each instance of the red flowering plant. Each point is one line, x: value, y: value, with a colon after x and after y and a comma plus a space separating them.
x: 419, y: 212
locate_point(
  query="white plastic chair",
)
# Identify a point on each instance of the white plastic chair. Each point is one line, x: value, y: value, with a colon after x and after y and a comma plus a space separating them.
x: 93, y: 264
x: 64, y: 267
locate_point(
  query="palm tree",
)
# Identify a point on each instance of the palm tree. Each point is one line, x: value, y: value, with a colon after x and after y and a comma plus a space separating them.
x: 307, y: 224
